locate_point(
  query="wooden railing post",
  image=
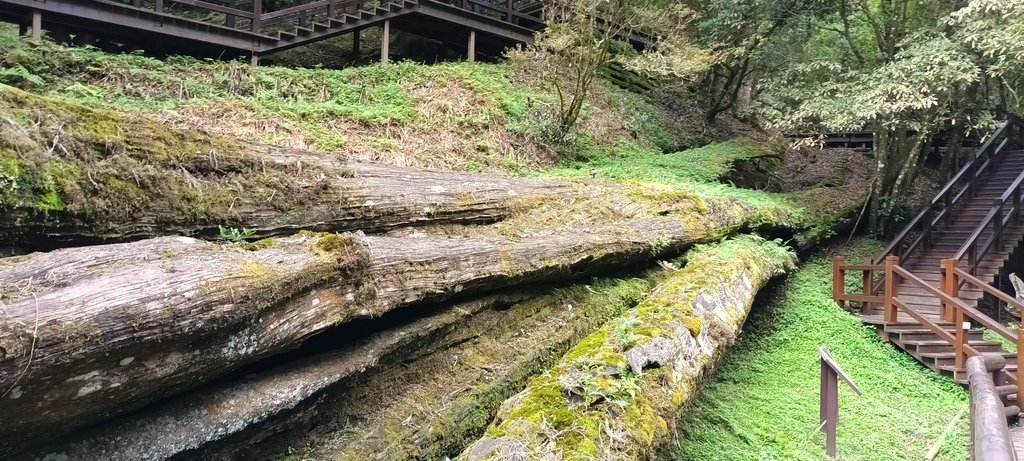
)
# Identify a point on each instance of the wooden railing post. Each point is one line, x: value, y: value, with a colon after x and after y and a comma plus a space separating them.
x: 838, y: 279
x: 257, y: 11
x: 950, y: 286
x: 1020, y: 347
x: 962, y: 327
x: 868, y: 281
x: 998, y: 233
x: 891, y: 262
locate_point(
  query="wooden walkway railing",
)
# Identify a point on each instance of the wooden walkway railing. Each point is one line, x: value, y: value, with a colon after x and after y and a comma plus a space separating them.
x: 963, y: 184
x: 990, y: 435
x: 953, y: 309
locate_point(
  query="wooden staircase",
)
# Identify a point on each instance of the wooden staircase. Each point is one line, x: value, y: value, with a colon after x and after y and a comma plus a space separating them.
x: 243, y: 27
x: 924, y: 292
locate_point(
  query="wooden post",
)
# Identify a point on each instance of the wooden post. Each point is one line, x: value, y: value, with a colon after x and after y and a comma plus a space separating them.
x: 471, y: 54
x: 998, y: 233
x: 255, y: 60
x: 838, y: 276
x: 229, y: 19
x: 869, y: 282
x: 962, y: 327
x: 890, y: 288
x: 385, y: 41
x: 949, y: 287
x: 257, y: 11
x: 37, y: 27
x: 1020, y: 347
x: 829, y: 397
x: 356, y: 43
x: 159, y: 6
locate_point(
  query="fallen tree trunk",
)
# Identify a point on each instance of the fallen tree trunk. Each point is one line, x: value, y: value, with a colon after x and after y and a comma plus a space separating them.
x: 362, y: 381
x: 613, y: 395
x: 88, y: 333
x: 83, y: 173
x: 210, y: 414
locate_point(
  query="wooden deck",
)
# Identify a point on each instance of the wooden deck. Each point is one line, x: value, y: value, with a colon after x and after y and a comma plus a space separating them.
x: 221, y: 28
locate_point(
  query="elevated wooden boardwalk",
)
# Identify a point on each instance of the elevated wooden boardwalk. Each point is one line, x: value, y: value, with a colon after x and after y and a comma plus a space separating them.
x: 927, y: 292
x: 245, y: 28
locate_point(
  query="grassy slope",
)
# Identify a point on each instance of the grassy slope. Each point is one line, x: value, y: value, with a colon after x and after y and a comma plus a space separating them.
x: 461, y: 116
x: 763, y: 401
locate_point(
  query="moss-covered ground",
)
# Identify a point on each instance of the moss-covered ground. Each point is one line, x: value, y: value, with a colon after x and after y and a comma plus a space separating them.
x: 763, y: 401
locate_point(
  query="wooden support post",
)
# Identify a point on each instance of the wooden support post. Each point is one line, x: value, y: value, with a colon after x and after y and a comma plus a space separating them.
x: 962, y: 328
x: 159, y: 6
x: 255, y: 60
x: 890, y: 288
x: 838, y: 282
x: 949, y: 287
x: 471, y: 54
x: 356, y: 43
x: 831, y: 373
x: 229, y: 19
x: 869, y: 282
x: 1020, y: 347
x: 385, y: 41
x: 37, y: 27
x: 257, y: 11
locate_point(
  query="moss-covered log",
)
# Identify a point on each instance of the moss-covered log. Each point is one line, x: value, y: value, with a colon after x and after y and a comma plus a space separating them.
x: 267, y: 400
x: 69, y: 172
x: 613, y: 395
x: 90, y: 332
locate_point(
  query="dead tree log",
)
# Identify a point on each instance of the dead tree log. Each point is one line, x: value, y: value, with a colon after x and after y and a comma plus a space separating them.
x: 87, y: 333
x: 614, y: 394
x: 85, y: 173
x: 210, y: 414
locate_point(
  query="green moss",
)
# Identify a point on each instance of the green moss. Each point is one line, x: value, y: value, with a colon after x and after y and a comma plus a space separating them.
x: 763, y: 401
x: 333, y: 243
x: 591, y: 390
x: 261, y: 244
x: 50, y: 201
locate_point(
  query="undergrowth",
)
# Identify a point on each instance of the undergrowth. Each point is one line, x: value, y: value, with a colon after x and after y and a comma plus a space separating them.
x: 763, y: 401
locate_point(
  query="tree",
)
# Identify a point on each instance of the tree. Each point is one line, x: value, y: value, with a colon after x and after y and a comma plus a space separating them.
x: 736, y: 31
x: 905, y: 70
x: 583, y: 36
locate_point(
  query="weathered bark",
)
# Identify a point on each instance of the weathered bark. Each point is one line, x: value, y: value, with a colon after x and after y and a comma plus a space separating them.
x: 279, y: 395
x: 323, y: 193
x: 90, y: 332
x: 613, y: 395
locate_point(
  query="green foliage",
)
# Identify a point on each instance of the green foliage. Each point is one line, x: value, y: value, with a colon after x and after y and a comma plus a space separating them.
x: 630, y: 160
x: 234, y: 234
x: 568, y: 54
x: 19, y: 76
x: 763, y: 401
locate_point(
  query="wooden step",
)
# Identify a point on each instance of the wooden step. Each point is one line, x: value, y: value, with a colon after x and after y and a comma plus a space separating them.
x: 938, y: 345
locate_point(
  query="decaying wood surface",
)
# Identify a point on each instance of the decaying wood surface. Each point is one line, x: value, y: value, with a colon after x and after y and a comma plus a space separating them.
x: 87, y: 333
x: 269, y: 400
x: 324, y: 193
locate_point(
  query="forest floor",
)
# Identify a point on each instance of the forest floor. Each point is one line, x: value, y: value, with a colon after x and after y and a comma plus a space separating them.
x: 762, y: 402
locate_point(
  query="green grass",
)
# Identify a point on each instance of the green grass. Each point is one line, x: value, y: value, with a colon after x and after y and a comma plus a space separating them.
x: 762, y: 404
x: 632, y: 161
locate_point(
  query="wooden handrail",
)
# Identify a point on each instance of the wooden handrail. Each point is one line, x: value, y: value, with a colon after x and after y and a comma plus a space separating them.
x: 948, y: 196
x: 990, y: 434
x: 959, y: 304
x: 987, y: 288
x: 997, y: 216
